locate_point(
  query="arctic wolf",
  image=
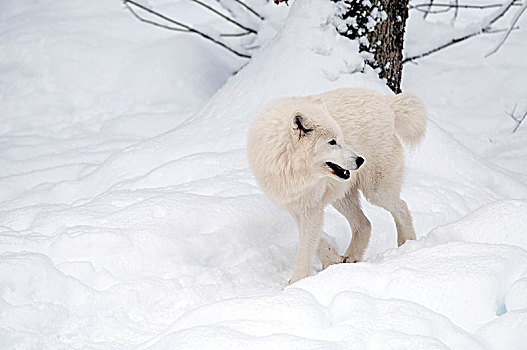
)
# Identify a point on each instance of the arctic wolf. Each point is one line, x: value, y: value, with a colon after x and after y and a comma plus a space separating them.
x: 307, y: 152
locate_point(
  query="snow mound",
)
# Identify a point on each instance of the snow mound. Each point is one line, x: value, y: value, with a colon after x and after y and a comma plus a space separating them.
x: 449, y: 293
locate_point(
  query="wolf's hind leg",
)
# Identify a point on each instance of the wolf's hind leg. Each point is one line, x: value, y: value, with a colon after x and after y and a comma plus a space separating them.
x: 402, y: 217
x: 349, y: 206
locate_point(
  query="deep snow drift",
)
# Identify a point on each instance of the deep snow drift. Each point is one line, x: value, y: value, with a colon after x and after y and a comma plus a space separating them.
x: 129, y: 217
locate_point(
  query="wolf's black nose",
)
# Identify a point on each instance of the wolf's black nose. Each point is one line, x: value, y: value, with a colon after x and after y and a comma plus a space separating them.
x: 359, y: 161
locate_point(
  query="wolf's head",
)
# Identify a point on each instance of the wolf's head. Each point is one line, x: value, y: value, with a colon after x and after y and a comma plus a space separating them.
x: 293, y: 144
x: 319, y: 143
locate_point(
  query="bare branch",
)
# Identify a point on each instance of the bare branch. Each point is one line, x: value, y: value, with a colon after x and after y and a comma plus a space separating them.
x: 494, y: 31
x: 126, y: 2
x: 485, y: 28
x: 427, y: 12
x: 236, y: 34
x: 185, y: 27
x: 242, y: 4
x: 456, y: 5
x: 152, y: 22
x: 224, y: 17
x: 450, y: 43
x: 250, y: 9
x: 519, y: 120
x: 499, y: 13
x: 515, y: 19
x: 428, y: 9
x: 456, y: 10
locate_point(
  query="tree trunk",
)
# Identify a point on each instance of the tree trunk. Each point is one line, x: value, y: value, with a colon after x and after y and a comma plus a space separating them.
x: 379, y: 26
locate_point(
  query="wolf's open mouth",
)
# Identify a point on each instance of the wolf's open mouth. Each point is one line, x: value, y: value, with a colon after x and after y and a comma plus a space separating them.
x: 342, y: 173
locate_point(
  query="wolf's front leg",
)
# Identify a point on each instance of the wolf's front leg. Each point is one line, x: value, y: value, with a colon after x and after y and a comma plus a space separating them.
x: 309, y: 223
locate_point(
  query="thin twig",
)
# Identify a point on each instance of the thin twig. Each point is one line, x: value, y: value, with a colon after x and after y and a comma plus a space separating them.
x: 518, y: 120
x: 250, y: 9
x: 456, y: 10
x: 450, y: 43
x: 426, y: 12
x: 235, y: 34
x: 157, y: 14
x: 224, y: 17
x: 461, y: 6
x: 152, y: 22
x: 185, y: 27
x: 515, y: 19
x: 485, y: 28
x: 429, y: 9
x: 501, y: 30
x: 504, y: 8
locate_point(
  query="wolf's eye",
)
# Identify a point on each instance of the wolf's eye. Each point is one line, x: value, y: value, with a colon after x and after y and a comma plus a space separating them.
x: 332, y: 142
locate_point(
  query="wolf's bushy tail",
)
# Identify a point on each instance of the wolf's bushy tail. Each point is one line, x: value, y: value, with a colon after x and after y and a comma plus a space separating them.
x: 410, y: 117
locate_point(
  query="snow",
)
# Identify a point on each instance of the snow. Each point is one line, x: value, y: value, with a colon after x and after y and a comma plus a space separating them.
x: 129, y: 217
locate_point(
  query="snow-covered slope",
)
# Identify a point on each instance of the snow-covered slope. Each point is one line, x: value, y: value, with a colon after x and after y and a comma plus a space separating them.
x: 129, y: 217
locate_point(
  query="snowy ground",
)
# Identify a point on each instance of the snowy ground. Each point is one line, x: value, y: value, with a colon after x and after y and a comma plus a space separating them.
x: 129, y: 217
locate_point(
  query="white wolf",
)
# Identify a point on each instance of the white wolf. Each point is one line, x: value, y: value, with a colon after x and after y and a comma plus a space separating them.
x: 308, y: 152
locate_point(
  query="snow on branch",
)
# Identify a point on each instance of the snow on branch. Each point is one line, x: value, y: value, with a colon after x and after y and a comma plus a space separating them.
x: 182, y: 27
x: 484, y: 28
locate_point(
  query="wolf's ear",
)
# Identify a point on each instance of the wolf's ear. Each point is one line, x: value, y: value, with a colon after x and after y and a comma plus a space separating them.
x: 299, y: 123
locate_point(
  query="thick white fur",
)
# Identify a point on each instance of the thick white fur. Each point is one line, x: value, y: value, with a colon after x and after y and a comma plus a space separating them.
x: 290, y: 165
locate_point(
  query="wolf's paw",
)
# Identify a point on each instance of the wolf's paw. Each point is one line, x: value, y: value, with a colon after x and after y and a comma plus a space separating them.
x: 327, y: 254
x: 331, y: 260
x: 351, y: 259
